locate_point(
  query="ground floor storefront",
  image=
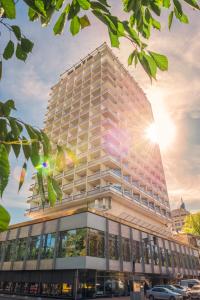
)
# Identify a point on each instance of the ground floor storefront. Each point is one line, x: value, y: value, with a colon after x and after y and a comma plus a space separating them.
x: 74, y: 284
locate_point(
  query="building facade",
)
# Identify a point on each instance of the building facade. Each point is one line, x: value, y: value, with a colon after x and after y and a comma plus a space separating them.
x: 178, y: 217
x: 86, y: 254
x: 112, y: 221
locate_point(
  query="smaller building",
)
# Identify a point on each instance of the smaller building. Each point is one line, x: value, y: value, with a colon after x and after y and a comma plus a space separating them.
x: 178, y: 217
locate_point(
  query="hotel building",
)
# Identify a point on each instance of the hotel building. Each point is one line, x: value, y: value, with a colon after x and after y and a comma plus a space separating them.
x: 112, y: 221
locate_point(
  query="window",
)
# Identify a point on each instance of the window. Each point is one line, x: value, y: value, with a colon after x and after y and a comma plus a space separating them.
x: 48, y: 244
x: 34, y: 247
x: 155, y: 254
x: 168, y: 258
x: 163, y: 257
x: 113, y: 245
x: 137, y: 253
x: 147, y: 253
x: 126, y: 249
x: 73, y: 243
x: 21, y: 249
x: 96, y: 243
x: 10, y: 250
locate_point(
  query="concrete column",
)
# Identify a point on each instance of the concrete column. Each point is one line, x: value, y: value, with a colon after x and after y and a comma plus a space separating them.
x: 172, y: 257
x: 56, y: 244
x: 40, y: 248
x: 120, y: 249
x: 151, y: 253
x: 107, y: 245
x: 142, y: 252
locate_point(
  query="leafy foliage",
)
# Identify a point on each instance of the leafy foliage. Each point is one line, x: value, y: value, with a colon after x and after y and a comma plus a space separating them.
x: 35, y: 147
x: 192, y: 224
x: 142, y: 17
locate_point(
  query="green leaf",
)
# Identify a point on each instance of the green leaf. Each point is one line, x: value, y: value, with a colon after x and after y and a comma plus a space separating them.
x: 133, y: 34
x: 4, y: 168
x: 41, y: 187
x: 75, y: 25
x: 16, y: 149
x: 22, y: 176
x: 155, y: 7
x: 4, y: 219
x: 99, y: 7
x: 7, y: 107
x: 166, y: 3
x: 160, y: 60
x: 131, y: 56
x: 170, y: 19
x: 84, y: 4
x: 20, y: 54
x: 16, y: 31
x: 46, y: 144
x: 40, y: 5
x: 57, y: 189
x: 32, y: 14
x: 59, y: 4
x: 9, y: 50
x: 84, y: 21
x: 193, y: 3
x: 4, y: 130
x: 113, y: 38
x: 0, y: 69
x: 26, y: 149
x: 182, y: 17
x: 148, y: 64
x: 15, y: 128
x: 26, y: 45
x: 52, y: 196
x: 178, y: 6
x: 9, y: 8
x: 59, y: 26
x: 156, y: 24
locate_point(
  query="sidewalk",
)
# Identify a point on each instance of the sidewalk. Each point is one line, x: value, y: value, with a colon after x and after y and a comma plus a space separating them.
x: 5, y: 297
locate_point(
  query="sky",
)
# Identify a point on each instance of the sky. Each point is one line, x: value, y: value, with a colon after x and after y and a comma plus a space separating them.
x: 175, y: 96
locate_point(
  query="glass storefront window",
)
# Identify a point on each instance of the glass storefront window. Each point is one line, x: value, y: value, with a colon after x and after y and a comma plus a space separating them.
x: 72, y: 243
x: 168, y: 258
x: 126, y: 249
x: 147, y: 253
x: 21, y: 249
x: 163, y: 257
x: 48, y: 245
x: 155, y: 255
x: 96, y: 243
x: 113, y: 246
x: 10, y: 250
x: 137, y: 253
x: 34, y: 247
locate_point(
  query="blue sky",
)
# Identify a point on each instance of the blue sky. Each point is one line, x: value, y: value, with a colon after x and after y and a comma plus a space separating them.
x: 175, y: 97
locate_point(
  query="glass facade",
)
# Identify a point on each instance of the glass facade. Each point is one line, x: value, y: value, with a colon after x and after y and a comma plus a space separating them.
x: 73, y: 243
x: 48, y: 245
x: 113, y: 246
x: 34, y: 247
x: 96, y: 243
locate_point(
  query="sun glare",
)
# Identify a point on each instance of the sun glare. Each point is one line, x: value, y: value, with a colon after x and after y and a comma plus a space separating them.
x: 163, y: 135
x: 151, y: 133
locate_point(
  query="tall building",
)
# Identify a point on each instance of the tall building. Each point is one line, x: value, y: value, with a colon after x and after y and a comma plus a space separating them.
x: 112, y: 221
x: 99, y: 112
x: 178, y: 217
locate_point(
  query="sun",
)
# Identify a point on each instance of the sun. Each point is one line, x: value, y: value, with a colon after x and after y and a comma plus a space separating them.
x: 151, y: 133
x: 163, y: 135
